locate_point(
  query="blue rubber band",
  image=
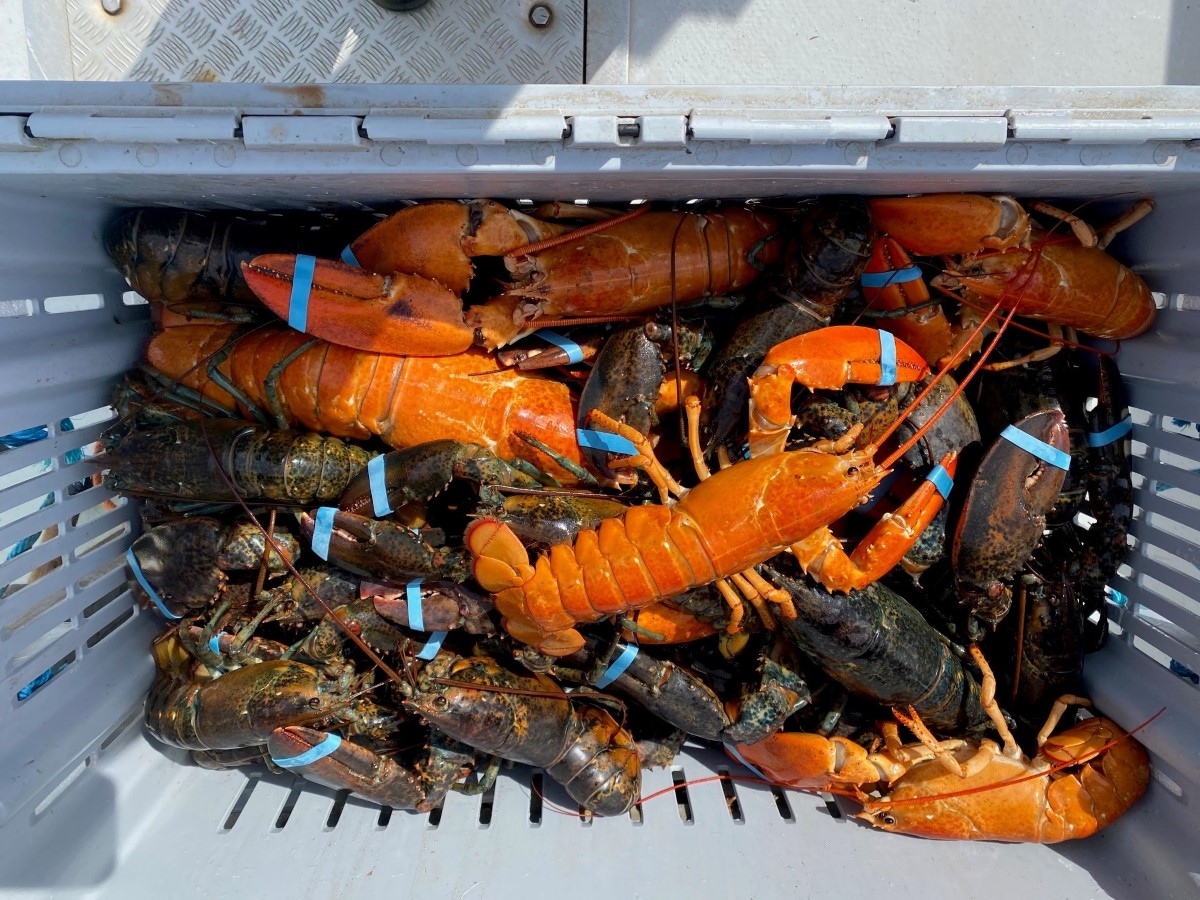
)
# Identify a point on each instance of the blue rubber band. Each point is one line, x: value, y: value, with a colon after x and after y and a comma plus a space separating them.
x: 574, y: 351
x: 602, y: 440
x: 302, y: 279
x: 887, y: 359
x: 379, y: 497
x: 214, y: 643
x: 349, y: 258
x: 890, y: 277
x: 307, y: 758
x: 26, y: 692
x: 617, y: 667
x: 1110, y: 435
x: 132, y: 559
x: 322, y: 531
x: 941, y: 480
x: 434, y: 645
x: 1038, y: 448
x: 416, y: 612
x: 734, y: 753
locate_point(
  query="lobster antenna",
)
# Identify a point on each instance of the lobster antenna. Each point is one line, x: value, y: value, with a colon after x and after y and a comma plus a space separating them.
x: 354, y: 638
x: 575, y: 234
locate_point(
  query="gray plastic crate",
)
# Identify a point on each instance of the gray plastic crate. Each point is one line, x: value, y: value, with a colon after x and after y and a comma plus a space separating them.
x: 90, y: 807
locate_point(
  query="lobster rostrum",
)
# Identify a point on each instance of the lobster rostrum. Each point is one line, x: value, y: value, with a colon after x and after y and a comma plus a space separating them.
x: 1080, y: 781
x: 423, y: 254
x: 1066, y: 280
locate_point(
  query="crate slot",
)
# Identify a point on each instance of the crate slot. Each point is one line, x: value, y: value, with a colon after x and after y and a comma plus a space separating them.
x: 683, y: 800
x: 535, y: 799
x: 435, y: 817
x: 134, y: 717
x: 123, y: 617
x: 44, y: 678
x: 731, y: 797
x: 289, y: 804
x: 487, y: 801
x: 69, y: 303
x: 60, y: 788
x: 782, y: 806
x: 239, y: 804
x: 385, y: 817
x: 335, y: 812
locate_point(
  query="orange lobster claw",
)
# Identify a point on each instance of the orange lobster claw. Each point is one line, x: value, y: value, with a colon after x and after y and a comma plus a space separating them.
x: 892, y: 282
x: 800, y: 760
x: 402, y: 315
x: 438, y: 239
x: 944, y: 224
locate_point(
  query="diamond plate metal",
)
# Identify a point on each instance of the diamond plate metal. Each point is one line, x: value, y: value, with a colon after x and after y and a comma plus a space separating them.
x: 322, y: 41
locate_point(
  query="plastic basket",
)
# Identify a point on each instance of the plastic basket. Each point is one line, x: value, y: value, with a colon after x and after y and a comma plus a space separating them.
x: 91, y: 807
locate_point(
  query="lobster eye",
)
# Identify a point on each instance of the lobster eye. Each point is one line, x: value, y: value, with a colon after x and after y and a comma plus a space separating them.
x: 852, y: 472
x: 440, y: 701
x: 889, y: 820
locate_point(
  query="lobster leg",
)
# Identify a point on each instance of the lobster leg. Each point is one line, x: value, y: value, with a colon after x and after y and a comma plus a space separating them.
x: 821, y: 554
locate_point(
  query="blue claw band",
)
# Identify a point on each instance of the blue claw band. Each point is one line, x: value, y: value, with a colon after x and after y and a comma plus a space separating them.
x: 308, y: 757
x: 602, y: 440
x: 349, y: 258
x: 434, y: 645
x: 379, y: 497
x: 887, y: 359
x: 618, y: 666
x: 1110, y: 435
x: 941, y: 480
x: 1040, y: 449
x: 214, y: 643
x: 131, y: 558
x: 890, y: 277
x: 322, y: 531
x: 733, y: 752
x: 416, y: 614
x: 574, y: 351
x: 302, y: 280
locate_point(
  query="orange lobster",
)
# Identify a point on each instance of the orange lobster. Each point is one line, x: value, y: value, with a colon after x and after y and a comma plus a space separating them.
x: 355, y: 394
x: 732, y: 521
x: 622, y: 266
x: 1066, y: 281
x: 1080, y: 780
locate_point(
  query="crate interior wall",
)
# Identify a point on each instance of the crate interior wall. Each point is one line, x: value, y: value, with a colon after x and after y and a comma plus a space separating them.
x: 89, y: 806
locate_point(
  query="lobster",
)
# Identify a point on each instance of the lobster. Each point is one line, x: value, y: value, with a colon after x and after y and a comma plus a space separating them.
x: 1068, y: 281
x: 621, y: 266
x: 181, y: 566
x: 181, y: 461
x: 679, y: 696
x: 355, y: 394
x: 191, y: 261
x: 1080, y: 781
x: 530, y: 720
x: 786, y: 500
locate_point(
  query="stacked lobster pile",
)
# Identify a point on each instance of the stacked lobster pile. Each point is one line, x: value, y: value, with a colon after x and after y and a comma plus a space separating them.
x: 577, y: 485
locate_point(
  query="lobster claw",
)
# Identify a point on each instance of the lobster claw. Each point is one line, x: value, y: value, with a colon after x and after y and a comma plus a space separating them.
x: 399, y: 314
x: 385, y: 551
x: 951, y: 224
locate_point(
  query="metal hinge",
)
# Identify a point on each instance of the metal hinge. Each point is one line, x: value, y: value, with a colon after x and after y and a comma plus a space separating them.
x: 533, y: 127
x: 304, y: 132
x: 1135, y: 129
x: 209, y: 125
x: 766, y: 130
x: 950, y: 131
